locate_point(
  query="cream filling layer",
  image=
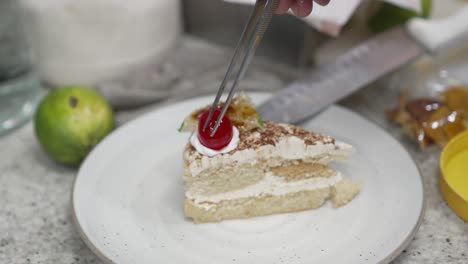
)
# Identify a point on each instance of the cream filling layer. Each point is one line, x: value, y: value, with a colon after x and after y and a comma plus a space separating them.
x: 270, y: 185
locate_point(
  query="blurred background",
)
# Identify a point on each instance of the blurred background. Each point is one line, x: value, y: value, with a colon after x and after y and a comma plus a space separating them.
x: 147, y: 51
x: 143, y: 52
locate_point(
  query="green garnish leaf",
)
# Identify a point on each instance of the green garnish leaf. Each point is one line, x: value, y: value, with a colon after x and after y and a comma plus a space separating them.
x: 181, y: 127
x: 260, y: 123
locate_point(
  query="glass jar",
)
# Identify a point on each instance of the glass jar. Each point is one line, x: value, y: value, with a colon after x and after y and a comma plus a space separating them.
x: 19, y: 85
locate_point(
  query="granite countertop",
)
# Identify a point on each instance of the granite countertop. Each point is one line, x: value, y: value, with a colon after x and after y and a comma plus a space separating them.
x: 36, y: 216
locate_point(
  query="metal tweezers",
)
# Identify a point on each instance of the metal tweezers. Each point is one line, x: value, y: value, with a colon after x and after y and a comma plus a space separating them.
x: 248, y: 43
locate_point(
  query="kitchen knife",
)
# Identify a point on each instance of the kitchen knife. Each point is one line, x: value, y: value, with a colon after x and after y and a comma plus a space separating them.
x: 364, y: 64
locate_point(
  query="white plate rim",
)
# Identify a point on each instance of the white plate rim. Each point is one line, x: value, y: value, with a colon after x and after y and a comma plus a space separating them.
x: 395, y: 253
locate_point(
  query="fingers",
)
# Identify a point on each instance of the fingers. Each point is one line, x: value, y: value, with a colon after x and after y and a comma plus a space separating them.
x: 302, y: 8
x: 283, y: 6
x: 322, y: 2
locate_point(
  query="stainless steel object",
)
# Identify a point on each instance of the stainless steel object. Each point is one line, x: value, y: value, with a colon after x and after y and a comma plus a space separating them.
x: 221, y: 22
x: 355, y: 69
x: 364, y: 64
x: 251, y: 37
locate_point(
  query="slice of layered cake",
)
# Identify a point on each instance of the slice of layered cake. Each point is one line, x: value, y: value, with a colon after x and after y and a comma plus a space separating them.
x: 250, y: 168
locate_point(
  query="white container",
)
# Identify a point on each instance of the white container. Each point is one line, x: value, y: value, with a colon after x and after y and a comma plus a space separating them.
x: 87, y: 41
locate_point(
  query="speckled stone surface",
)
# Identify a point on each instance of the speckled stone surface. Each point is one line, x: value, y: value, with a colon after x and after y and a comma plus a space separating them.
x: 35, y: 194
x: 443, y: 236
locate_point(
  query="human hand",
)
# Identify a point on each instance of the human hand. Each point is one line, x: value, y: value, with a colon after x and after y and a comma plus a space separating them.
x: 301, y: 8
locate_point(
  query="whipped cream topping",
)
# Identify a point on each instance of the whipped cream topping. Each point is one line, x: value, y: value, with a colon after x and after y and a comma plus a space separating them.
x: 211, y: 152
x: 290, y: 148
x: 269, y: 185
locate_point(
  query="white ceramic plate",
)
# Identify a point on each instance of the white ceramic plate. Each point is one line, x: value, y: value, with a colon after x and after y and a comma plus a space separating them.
x: 128, y: 201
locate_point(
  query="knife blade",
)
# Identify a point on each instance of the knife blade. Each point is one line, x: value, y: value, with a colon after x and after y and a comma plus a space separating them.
x: 362, y: 65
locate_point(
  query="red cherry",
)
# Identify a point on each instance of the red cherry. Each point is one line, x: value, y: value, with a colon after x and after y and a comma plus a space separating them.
x: 223, y: 135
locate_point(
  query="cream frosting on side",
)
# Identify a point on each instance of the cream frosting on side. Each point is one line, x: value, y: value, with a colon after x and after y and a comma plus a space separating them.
x: 270, y: 185
x: 290, y: 148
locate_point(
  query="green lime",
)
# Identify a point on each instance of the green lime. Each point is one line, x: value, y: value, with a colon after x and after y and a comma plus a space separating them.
x: 389, y: 15
x: 71, y: 121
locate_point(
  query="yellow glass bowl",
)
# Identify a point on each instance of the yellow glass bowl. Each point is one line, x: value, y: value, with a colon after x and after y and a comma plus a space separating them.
x: 454, y: 175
